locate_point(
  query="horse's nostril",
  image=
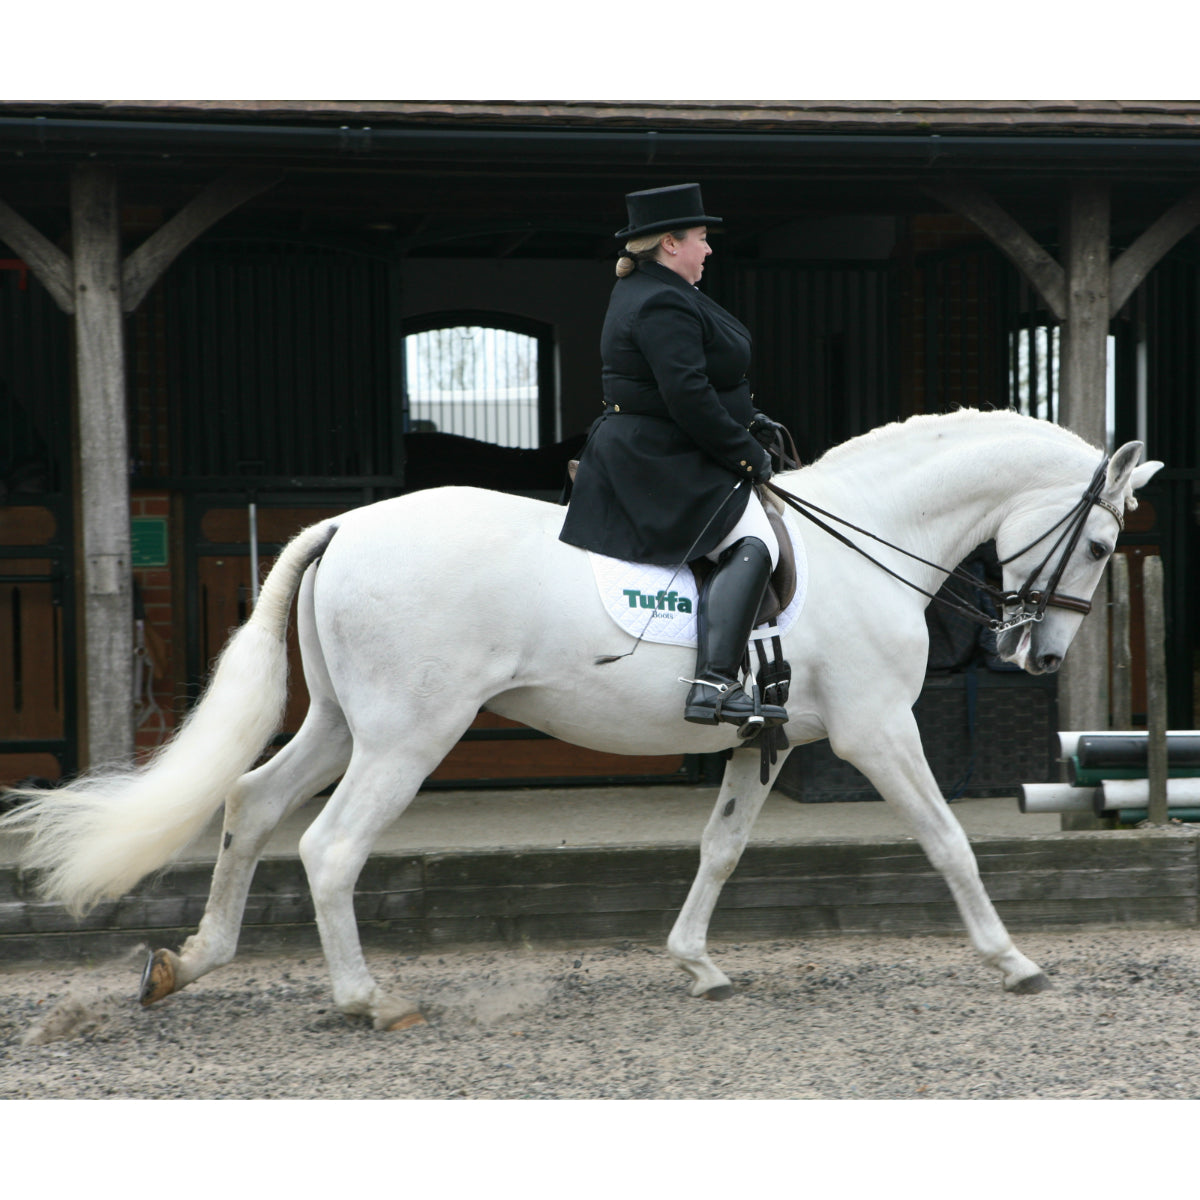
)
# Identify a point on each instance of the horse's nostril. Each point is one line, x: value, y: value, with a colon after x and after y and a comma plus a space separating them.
x: 1050, y: 662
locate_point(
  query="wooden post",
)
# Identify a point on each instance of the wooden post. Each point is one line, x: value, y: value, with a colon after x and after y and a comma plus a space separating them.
x: 1121, y: 655
x: 103, y: 465
x: 1083, y: 701
x: 1084, y: 347
x: 1156, y: 690
x: 98, y: 288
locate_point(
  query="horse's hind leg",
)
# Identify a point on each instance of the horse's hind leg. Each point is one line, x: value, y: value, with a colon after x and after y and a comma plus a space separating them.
x: 725, y: 836
x: 259, y: 801
x: 381, y: 781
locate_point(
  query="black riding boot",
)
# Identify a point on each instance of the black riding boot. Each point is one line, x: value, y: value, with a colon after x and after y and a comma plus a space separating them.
x: 729, y: 602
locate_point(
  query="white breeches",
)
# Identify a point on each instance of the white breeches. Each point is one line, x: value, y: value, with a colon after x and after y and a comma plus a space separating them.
x: 753, y: 523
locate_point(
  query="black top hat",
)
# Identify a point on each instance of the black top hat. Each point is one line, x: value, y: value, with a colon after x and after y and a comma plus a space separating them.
x: 657, y: 210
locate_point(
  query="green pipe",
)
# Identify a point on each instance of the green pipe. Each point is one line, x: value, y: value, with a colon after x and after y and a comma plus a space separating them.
x: 1131, y: 816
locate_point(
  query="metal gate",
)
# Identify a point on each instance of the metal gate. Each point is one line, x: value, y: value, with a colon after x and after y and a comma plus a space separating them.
x: 825, y: 361
x: 269, y: 364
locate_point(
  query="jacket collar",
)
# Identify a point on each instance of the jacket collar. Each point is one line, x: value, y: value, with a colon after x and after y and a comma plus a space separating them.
x: 658, y: 271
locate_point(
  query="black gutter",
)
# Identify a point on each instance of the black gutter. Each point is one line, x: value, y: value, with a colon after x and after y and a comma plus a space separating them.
x: 167, y: 140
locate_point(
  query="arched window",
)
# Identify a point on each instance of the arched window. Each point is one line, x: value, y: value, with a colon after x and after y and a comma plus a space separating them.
x: 486, y: 376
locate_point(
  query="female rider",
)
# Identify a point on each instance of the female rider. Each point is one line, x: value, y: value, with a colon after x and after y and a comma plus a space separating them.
x: 669, y: 468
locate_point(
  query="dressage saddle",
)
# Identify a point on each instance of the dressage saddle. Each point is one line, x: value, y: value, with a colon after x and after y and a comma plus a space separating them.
x: 781, y: 587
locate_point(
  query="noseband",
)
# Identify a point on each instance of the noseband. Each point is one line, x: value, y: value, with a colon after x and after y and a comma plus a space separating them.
x: 1033, y: 602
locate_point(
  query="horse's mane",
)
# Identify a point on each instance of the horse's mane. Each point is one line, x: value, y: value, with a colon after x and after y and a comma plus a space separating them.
x: 999, y: 422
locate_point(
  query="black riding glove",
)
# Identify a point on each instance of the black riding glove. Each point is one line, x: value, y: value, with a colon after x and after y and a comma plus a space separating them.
x: 764, y: 431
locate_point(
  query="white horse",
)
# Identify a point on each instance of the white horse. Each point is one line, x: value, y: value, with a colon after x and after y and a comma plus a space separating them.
x: 415, y: 613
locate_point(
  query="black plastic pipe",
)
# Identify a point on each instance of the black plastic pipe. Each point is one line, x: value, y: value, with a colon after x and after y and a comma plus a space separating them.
x: 1130, y: 750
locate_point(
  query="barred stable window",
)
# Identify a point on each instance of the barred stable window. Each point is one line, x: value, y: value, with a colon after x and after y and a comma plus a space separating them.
x: 1035, y: 371
x: 480, y: 376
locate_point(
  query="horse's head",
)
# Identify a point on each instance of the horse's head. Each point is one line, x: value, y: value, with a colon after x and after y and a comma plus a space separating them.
x: 1051, y: 570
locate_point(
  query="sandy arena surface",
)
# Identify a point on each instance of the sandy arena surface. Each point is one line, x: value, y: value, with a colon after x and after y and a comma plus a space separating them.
x: 896, y: 1018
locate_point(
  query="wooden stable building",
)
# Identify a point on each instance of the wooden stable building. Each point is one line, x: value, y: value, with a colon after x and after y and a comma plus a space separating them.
x: 222, y: 320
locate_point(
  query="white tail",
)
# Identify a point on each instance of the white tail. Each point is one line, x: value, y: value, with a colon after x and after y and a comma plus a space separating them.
x: 95, y: 838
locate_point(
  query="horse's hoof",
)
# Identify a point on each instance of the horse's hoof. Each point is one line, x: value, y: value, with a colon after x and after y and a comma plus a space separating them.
x: 158, y: 979
x: 408, y: 1021
x: 722, y: 992
x: 1031, y: 985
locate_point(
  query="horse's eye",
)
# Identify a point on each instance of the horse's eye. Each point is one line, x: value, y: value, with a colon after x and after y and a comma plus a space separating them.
x: 1098, y: 549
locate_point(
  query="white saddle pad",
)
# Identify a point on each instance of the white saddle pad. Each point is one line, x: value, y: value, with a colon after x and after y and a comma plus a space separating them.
x: 658, y: 604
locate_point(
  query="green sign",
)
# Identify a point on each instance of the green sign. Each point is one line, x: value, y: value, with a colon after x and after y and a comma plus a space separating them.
x: 149, y: 539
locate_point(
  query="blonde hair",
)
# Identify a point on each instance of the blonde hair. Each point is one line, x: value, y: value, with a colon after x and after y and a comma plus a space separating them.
x: 641, y: 249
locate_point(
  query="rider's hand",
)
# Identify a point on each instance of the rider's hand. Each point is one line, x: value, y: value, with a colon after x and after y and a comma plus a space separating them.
x: 764, y: 430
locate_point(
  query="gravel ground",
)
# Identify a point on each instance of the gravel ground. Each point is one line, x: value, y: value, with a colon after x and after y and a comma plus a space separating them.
x: 836, y: 1018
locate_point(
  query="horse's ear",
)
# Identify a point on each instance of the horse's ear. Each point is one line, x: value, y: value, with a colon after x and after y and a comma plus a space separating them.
x: 1143, y: 474
x: 1125, y: 476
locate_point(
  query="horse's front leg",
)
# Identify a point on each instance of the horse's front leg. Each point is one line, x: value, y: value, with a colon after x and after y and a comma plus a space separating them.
x: 725, y: 836
x: 889, y: 753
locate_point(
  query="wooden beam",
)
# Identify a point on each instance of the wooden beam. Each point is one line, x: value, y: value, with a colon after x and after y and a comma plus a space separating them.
x: 51, y: 266
x: 1136, y: 262
x: 103, y: 465
x: 145, y: 265
x: 1031, y: 259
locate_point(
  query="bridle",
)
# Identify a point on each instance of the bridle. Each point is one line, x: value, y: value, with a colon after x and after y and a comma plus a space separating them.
x: 1033, y: 602
x: 1073, y: 523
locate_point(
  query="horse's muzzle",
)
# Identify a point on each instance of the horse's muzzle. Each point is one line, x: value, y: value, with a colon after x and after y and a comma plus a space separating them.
x: 1016, y: 645
x: 1044, y: 664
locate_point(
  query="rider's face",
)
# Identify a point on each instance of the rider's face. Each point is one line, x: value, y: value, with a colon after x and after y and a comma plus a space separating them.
x: 686, y: 256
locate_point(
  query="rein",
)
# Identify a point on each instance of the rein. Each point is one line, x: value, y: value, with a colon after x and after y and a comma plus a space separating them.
x: 1025, y: 596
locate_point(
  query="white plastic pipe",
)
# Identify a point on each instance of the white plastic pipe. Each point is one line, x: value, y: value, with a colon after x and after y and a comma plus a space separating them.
x: 1055, y: 797
x: 1135, y: 793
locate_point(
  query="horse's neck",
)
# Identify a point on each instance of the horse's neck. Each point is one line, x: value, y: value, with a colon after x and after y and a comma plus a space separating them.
x: 933, y: 494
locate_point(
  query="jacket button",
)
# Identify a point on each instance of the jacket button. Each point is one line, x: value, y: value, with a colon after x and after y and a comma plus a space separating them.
x: 616, y: 408
x: 742, y: 463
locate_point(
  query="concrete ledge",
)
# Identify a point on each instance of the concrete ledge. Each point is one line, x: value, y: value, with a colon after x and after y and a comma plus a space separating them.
x: 414, y: 901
